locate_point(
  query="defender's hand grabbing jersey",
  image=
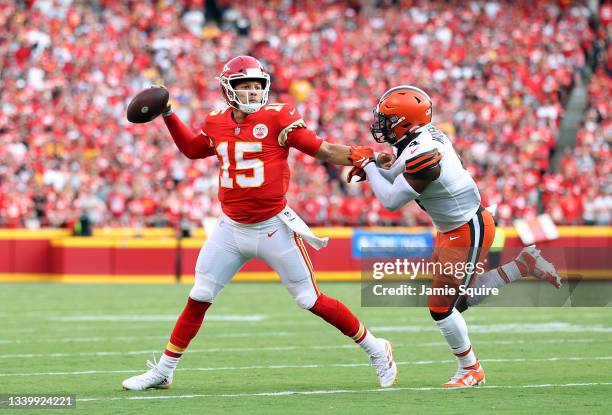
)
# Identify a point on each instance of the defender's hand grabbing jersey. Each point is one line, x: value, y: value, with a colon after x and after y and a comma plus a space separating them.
x: 254, y: 173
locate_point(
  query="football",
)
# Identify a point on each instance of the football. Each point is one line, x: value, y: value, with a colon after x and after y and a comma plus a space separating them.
x: 147, y: 104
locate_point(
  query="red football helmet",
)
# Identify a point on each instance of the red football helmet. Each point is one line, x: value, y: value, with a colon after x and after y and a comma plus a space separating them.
x: 400, y: 111
x: 243, y: 68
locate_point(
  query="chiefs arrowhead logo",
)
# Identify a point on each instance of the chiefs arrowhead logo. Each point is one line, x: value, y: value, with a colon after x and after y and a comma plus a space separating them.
x: 260, y: 131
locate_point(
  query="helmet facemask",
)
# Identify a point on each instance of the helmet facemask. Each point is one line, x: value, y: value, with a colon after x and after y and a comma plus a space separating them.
x: 233, y: 97
x: 382, y: 128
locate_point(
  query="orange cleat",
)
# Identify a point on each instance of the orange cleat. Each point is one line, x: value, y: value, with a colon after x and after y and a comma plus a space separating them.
x: 538, y: 266
x: 467, y: 377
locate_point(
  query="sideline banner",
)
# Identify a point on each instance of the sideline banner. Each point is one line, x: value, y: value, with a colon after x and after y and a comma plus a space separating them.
x: 409, y: 245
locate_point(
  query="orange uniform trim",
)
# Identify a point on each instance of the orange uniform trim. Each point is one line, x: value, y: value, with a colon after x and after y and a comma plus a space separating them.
x: 422, y: 157
x: 423, y: 166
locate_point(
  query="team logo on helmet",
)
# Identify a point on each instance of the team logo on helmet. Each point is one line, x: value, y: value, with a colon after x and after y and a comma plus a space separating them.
x: 260, y: 131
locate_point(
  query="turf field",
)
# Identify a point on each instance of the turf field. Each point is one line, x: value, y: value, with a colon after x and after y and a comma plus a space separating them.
x: 259, y: 353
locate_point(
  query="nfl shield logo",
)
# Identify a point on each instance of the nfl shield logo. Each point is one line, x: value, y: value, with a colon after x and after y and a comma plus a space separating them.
x: 236, y: 130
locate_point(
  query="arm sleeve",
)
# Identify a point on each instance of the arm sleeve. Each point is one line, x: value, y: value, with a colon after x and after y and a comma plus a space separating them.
x: 194, y: 146
x: 304, y: 140
x: 391, y: 195
x: 386, y: 174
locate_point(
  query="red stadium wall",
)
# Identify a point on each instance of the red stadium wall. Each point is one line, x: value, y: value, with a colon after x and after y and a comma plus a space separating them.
x: 121, y: 256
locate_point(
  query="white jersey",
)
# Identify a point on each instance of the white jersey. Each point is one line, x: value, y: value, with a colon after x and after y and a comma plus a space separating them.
x: 453, y: 198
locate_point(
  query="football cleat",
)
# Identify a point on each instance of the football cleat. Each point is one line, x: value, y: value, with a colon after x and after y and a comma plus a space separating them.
x: 383, y: 362
x: 467, y: 377
x: 538, y: 266
x: 152, y: 378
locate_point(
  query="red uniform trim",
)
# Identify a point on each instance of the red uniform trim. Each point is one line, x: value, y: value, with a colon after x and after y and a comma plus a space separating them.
x: 503, y: 275
x: 464, y: 353
x: 172, y: 354
x: 302, y: 248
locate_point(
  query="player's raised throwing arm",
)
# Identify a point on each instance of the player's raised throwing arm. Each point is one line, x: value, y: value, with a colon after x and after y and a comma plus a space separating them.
x: 194, y: 146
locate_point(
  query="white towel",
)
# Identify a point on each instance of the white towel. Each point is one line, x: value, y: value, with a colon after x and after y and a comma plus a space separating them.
x: 297, y: 225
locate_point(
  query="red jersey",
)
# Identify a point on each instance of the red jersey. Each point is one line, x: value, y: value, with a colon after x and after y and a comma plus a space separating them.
x: 254, y: 173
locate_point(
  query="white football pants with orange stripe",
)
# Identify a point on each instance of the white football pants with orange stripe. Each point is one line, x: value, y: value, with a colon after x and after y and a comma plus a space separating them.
x: 232, y: 244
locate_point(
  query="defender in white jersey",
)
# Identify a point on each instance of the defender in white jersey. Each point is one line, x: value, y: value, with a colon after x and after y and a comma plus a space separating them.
x: 453, y: 198
x: 428, y: 170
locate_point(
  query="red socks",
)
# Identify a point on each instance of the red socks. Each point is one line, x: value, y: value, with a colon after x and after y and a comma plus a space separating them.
x: 186, y: 327
x: 339, y: 316
x: 329, y: 309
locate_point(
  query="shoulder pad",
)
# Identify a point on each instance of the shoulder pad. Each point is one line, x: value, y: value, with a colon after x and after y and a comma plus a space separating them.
x: 422, y: 157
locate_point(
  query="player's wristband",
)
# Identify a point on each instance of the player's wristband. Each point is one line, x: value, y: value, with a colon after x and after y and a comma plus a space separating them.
x: 168, y: 113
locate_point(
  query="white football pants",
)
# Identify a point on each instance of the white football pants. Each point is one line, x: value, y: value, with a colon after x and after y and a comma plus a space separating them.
x: 232, y: 244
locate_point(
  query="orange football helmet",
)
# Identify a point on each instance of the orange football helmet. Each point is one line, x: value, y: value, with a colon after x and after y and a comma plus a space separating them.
x: 399, y: 112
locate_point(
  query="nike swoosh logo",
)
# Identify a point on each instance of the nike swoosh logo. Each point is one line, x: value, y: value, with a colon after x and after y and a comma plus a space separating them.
x: 271, y: 233
x: 452, y: 238
x: 292, y: 111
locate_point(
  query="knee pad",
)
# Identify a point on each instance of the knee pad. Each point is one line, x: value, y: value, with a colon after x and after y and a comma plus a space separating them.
x: 306, y: 300
x: 440, y: 306
x: 204, y: 290
x: 439, y: 313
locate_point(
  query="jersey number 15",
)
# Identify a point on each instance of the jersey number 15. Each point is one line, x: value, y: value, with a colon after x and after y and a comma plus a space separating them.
x: 255, y: 178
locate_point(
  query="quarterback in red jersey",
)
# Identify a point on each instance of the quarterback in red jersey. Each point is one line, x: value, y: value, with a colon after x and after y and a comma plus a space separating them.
x: 251, y: 140
x: 253, y: 158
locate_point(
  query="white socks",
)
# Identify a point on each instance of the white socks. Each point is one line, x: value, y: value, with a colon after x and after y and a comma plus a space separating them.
x: 167, y: 364
x: 511, y: 271
x: 369, y: 343
x: 494, y: 278
x: 455, y: 331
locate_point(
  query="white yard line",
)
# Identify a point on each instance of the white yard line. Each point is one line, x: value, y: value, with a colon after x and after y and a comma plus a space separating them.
x: 154, y: 317
x: 163, y: 337
x: 340, y: 391
x: 272, y: 348
x: 311, y: 366
x: 506, y: 328
x: 474, y: 328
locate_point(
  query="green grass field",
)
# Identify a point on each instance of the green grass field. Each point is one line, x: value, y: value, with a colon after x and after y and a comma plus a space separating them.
x: 259, y: 353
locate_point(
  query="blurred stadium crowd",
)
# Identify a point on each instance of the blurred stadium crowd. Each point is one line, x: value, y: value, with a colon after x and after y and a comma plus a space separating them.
x: 499, y: 74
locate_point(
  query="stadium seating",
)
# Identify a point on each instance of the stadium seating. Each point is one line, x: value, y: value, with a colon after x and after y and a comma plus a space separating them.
x: 68, y: 72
